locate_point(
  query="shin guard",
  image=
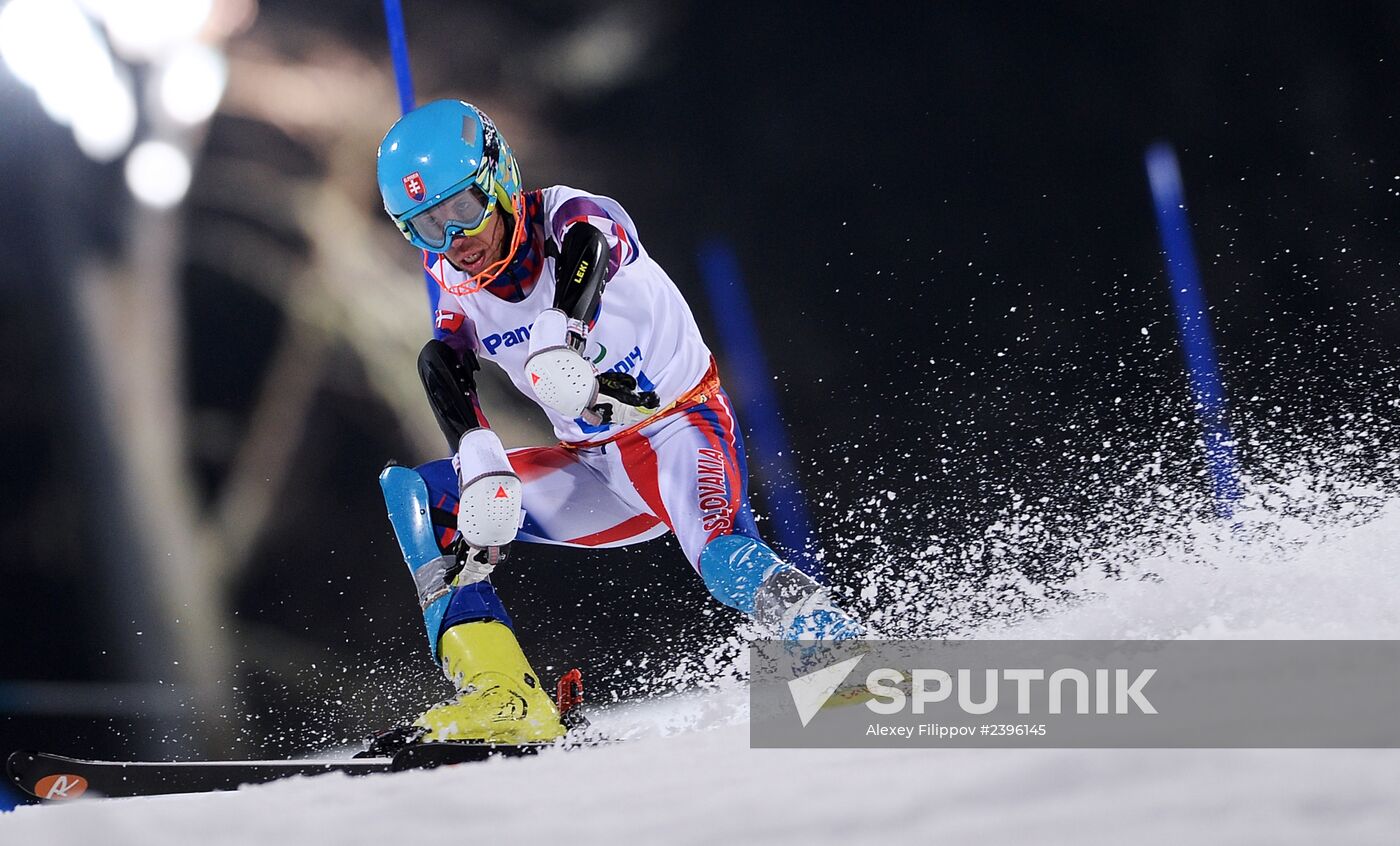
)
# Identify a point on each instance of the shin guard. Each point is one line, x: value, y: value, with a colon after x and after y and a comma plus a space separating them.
x: 406, y: 500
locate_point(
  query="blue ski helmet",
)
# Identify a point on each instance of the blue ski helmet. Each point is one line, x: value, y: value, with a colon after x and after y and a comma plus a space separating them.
x: 444, y: 169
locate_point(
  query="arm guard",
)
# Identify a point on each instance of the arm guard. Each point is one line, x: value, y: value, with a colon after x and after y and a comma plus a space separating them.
x: 581, y: 272
x: 489, y: 498
x: 451, y: 389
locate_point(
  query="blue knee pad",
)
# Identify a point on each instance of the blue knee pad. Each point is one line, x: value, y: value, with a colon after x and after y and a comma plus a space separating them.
x: 406, y: 499
x: 733, y: 567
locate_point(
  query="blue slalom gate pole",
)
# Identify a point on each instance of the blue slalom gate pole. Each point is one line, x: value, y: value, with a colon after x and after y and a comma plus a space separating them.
x: 403, y: 79
x: 398, y: 51
x: 1193, y: 319
x: 743, y: 355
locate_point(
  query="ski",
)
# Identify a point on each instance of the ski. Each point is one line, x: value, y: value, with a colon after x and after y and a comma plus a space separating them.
x: 57, y: 777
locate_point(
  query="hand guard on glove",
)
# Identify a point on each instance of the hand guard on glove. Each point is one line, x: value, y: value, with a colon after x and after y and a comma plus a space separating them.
x: 489, y: 506
x: 567, y: 382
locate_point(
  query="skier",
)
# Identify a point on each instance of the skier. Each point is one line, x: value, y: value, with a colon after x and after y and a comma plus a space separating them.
x: 555, y: 287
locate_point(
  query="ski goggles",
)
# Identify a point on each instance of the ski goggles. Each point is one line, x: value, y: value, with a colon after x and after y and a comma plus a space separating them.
x: 465, y: 212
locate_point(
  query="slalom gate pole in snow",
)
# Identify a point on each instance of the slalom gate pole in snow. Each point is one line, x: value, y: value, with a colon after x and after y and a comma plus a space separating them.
x: 403, y: 79
x: 1193, y: 319
x: 744, y: 356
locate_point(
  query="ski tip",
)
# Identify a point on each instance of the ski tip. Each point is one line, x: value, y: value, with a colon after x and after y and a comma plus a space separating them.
x: 35, y: 776
x: 17, y: 762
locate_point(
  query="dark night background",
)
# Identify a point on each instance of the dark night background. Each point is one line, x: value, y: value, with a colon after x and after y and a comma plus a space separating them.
x: 943, y: 222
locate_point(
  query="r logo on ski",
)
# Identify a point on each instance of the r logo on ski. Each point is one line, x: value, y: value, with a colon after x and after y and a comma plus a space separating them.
x: 61, y: 787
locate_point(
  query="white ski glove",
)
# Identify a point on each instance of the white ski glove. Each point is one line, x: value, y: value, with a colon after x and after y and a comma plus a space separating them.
x: 489, y: 510
x: 559, y: 374
x: 567, y: 382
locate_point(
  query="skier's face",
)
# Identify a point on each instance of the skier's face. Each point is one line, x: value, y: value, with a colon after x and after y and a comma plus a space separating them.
x: 474, y: 253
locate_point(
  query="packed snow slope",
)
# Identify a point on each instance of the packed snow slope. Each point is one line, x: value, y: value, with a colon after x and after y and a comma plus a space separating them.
x: 690, y: 777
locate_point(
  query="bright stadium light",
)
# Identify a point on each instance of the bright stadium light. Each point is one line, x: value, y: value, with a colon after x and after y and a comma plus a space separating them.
x: 158, y: 174
x: 190, y: 83
x: 72, y: 82
x: 77, y: 83
x: 39, y: 38
x: 106, y: 122
x: 146, y: 29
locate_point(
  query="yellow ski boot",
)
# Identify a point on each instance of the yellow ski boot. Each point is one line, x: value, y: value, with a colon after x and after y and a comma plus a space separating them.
x: 500, y: 698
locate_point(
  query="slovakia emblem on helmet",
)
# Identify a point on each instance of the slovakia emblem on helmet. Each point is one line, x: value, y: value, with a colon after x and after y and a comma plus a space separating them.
x: 413, y: 184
